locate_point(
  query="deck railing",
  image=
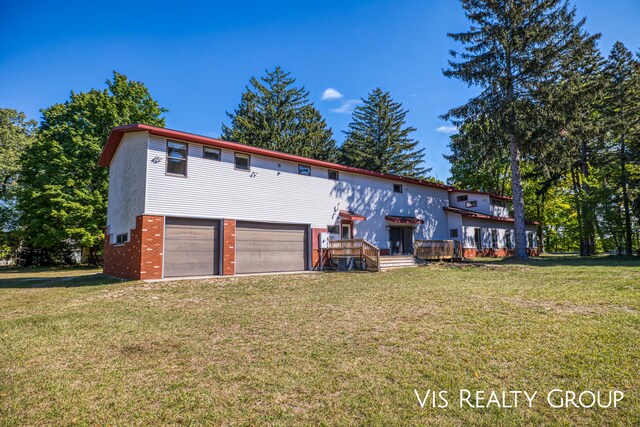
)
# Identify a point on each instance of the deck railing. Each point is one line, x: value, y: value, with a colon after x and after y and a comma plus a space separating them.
x: 438, y: 249
x: 358, y: 248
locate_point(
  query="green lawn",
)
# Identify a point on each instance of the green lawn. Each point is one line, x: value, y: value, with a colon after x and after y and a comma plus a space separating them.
x: 331, y: 348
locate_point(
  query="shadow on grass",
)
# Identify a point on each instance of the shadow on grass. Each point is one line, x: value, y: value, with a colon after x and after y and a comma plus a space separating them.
x: 550, y: 260
x: 53, y: 277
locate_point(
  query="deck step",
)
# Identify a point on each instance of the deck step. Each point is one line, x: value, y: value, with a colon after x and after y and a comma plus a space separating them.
x: 389, y: 262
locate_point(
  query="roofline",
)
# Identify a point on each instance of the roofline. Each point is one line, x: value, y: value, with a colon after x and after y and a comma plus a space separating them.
x: 472, y: 214
x: 492, y: 195
x: 116, y: 134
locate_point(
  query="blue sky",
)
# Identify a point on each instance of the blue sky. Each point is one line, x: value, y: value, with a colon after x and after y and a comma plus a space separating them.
x: 197, y: 59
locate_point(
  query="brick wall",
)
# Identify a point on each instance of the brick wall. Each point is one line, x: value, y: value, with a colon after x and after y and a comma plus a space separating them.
x: 315, y: 248
x: 229, y: 247
x: 502, y: 252
x: 141, y: 256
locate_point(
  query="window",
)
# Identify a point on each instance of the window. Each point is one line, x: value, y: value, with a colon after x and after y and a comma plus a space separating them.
x: 494, y: 238
x: 346, y: 232
x: 462, y: 198
x: 471, y: 204
x: 304, y: 170
x: 334, y: 175
x: 177, y: 158
x: 122, y: 238
x: 530, y: 239
x: 211, y: 153
x: 333, y: 229
x: 507, y: 238
x: 243, y: 161
x: 453, y: 232
x: 500, y: 203
x: 477, y: 238
x: 397, y: 188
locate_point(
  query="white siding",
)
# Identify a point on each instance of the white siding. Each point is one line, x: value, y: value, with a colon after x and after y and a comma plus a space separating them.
x: 454, y: 221
x: 274, y: 192
x: 486, y: 226
x: 127, y: 173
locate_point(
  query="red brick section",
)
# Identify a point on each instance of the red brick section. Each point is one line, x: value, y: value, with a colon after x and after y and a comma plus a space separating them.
x: 502, y: 252
x: 141, y: 256
x: 315, y: 248
x: 229, y: 247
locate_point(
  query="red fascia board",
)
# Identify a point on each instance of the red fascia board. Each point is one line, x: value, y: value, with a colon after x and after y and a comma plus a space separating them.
x: 118, y: 132
x: 479, y: 215
x: 352, y: 216
x: 493, y: 196
x: 401, y: 220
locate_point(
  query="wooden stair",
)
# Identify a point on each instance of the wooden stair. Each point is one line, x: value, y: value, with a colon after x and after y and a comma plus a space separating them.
x: 389, y: 262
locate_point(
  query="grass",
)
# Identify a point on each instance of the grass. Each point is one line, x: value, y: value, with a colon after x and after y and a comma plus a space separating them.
x: 332, y: 348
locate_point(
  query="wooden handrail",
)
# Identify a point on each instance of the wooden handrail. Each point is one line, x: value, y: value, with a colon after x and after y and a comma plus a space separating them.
x: 357, y: 248
x: 438, y: 249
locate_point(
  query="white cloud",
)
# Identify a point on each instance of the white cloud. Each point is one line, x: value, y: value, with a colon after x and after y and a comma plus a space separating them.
x: 347, y: 106
x: 331, y: 94
x: 449, y: 130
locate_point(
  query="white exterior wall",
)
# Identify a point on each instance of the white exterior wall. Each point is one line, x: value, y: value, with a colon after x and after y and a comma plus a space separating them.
x: 274, y: 192
x: 484, y: 204
x: 486, y: 226
x: 127, y: 184
x: 454, y: 220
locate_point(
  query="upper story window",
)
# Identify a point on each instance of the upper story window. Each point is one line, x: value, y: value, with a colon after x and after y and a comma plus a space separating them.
x: 211, y: 153
x: 462, y: 198
x: 500, y: 203
x: 334, y: 175
x: 121, y: 239
x: 304, y: 170
x: 397, y: 188
x: 177, y: 158
x: 471, y: 204
x: 242, y: 161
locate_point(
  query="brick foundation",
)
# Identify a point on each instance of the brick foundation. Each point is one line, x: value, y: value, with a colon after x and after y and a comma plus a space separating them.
x: 229, y: 247
x: 315, y: 248
x: 494, y: 253
x: 141, y: 257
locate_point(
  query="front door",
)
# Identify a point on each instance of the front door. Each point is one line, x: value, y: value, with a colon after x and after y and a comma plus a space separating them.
x: 346, y: 232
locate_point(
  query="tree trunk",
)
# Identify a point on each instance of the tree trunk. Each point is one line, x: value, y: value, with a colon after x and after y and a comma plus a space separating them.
x: 518, y: 200
x: 625, y: 200
x: 588, y: 217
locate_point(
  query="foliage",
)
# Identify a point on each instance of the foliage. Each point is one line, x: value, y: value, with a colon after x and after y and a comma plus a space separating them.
x: 276, y: 115
x: 378, y: 138
x: 64, y: 194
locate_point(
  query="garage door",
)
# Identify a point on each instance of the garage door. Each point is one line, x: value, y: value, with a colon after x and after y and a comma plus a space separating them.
x: 191, y: 247
x: 263, y: 248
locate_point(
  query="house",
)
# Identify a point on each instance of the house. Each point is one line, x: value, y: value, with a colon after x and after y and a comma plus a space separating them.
x: 187, y: 205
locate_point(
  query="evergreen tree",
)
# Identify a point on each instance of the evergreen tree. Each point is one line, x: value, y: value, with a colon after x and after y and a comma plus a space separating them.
x: 276, y: 115
x: 513, y: 52
x: 622, y: 115
x: 378, y: 138
x: 64, y: 194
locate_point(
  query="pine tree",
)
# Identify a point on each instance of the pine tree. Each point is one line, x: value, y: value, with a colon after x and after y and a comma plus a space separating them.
x: 276, y: 115
x: 513, y: 51
x: 64, y: 194
x: 622, y: 115
x: 379, y: 140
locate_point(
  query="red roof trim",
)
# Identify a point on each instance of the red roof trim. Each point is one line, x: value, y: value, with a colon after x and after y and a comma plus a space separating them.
x: 493, y: 196
x: 352, y: 216
x: 479, y: 215
x: 118, y: 132
x: 403, y: 219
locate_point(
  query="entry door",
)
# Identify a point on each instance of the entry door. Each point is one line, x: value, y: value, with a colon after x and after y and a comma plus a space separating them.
x: 401, y: 240
x: 191, y: 247
x: 346, y: 232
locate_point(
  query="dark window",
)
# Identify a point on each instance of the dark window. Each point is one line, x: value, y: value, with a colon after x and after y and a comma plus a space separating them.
x: 471, y: 204
x: 477, y: 238
x: 122, y: 238
x: 334, y: 175
x: 211, y: 153
x: 453, y: 232
x: 243, y: 161
x: 500, y: 203
x: 333, y: 229
x: 507, y: 238
x: 462, y: 198
x: 177, y: 158
x: 530, y: 239
x: 304, y: 170
x: 494, y: 238
x: 397, y: 188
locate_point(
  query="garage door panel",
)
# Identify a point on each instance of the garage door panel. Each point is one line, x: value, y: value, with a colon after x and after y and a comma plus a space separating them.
x: 191, y: 247
x: 264, y: 248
